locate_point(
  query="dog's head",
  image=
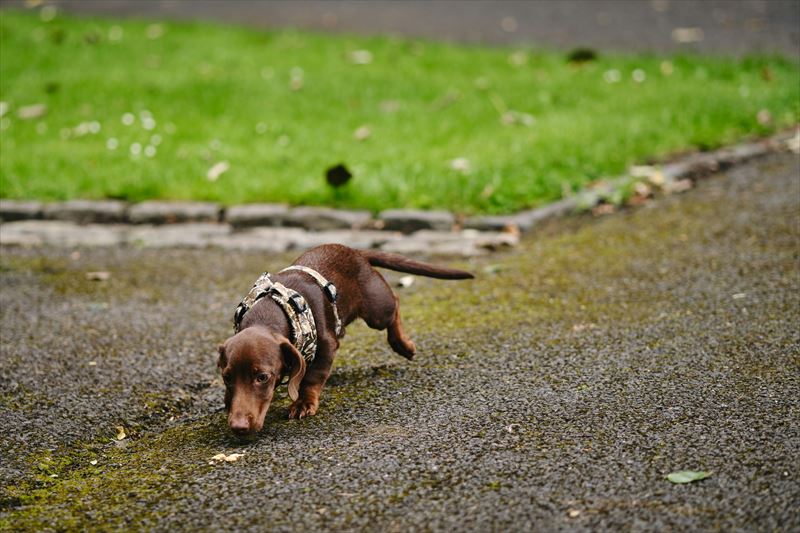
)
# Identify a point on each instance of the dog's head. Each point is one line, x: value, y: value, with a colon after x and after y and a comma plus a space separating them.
x: 252, y: 363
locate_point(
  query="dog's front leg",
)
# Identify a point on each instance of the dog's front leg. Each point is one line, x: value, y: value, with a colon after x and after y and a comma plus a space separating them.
x: 317, y: 374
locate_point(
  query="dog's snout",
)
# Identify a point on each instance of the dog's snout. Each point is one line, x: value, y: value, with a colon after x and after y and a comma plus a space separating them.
x: 240, y: 425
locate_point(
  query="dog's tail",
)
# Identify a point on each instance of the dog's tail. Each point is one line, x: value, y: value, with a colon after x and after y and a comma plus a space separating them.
x: 403, y: 264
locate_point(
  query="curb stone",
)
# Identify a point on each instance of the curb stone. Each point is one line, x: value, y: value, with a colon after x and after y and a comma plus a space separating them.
x: 277, y: 227
x: 20, y: 210
x: 252, y: 215
x: 58, y: 233
x: 87, y: 211
x: 411, y: 220
x: 156, y: 212
x: 326, y: 218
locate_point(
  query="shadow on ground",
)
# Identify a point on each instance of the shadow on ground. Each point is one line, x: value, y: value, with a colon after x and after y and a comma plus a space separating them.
x: 554, y: 392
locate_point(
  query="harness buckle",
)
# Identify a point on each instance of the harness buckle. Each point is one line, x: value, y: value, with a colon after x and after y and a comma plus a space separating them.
x: 298, y: 302
x: 330, y: 290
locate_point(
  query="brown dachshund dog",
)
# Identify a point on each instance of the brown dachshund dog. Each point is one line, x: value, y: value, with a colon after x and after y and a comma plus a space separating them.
x: 254, y: 361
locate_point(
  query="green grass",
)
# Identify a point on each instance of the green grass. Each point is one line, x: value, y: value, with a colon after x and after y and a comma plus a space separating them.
x: 225, y: 94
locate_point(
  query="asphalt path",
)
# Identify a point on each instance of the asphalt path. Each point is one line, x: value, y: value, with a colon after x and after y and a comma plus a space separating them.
x: 554, y: 392
x: 709, y: 26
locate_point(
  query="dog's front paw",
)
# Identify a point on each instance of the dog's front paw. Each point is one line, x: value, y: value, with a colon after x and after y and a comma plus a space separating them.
x: 302, y: 408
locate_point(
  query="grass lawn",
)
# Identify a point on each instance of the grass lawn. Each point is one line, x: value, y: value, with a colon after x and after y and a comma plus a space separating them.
x: 138, y: 110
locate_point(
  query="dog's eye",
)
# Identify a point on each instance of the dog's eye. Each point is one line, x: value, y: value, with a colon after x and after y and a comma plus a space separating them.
x: 262, y: 377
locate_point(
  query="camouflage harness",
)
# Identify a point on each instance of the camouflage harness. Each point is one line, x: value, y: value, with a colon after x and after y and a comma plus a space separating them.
x: 298, y: 312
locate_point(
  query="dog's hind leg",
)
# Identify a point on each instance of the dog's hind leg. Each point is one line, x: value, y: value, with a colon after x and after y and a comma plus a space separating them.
x: 380, y: 310
x: 397, y: 338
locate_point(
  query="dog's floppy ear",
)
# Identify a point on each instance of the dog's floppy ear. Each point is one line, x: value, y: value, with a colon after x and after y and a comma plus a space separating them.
x: 297, y: 368
x: 222, y: 360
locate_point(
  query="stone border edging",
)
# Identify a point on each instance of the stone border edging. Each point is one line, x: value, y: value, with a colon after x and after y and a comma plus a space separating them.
x: 205, y: 223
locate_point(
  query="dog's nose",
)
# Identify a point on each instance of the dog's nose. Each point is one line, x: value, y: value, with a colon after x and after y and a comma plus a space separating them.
x: 240, y: 425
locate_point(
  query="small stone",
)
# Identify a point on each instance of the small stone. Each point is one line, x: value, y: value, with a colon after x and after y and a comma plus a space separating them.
x: 98, y: 276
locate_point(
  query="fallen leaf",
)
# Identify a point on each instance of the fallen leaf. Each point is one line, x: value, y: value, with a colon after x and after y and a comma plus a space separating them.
x: 217, y: 170
x: 687, y: 476
x: 518, y: 58
x: 603, y: 209
x: 678, y: 186
x: 656, y: 178
x: 793, y: 144
x: 405, y: 281
x: 221, y: 457
x: 509, y: 24
x: 31, y: 111
x: 362, y: 132
x: 642, y: 189
x: 154, y: 31
x: 390, y: 106
x: 612, y: 76
x: 512, y: 117
x: 688, y: 35
x: 764, y: 117
x: 360, y: 57
x: 120, y: 433
x: 98, y: 276
x: 461, y: 164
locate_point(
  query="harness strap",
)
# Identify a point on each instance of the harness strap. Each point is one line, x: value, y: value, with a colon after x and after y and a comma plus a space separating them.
x: 301, y: 319
x: 327, y: 287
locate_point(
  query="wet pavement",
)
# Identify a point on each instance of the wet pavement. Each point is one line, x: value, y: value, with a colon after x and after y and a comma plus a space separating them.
x: 555, y: 392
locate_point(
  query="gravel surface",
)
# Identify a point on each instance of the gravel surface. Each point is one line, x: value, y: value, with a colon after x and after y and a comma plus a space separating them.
x: 555, y: 392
